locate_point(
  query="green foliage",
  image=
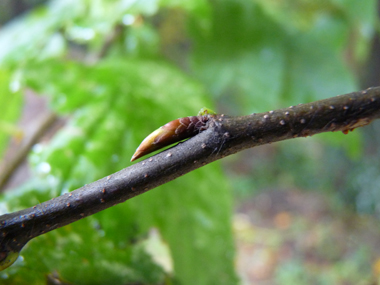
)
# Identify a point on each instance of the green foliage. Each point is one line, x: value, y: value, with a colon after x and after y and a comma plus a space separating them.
x: 113, y: 107
x: 292, y: 52
x: 50, y: 30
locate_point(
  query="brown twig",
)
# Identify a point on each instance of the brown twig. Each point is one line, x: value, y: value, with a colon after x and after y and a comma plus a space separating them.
x: 109, y: 41
x: 225, y: 136
x: 8, y: 166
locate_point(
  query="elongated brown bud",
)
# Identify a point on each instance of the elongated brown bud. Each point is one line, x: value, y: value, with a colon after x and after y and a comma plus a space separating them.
x: 172, y: 132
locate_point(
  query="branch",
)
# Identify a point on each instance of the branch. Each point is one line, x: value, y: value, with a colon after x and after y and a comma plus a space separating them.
x: 110, y: 39
x: 224, y: 136
x: 8, y: 166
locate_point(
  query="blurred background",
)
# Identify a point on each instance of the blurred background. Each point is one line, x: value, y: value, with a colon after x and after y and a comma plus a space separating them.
x: 82, y: 83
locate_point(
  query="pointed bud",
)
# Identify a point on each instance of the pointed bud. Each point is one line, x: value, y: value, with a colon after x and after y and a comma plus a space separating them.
x: 173, y: 132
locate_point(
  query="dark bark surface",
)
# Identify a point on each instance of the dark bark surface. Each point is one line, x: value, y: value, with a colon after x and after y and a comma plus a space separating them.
x: 224, y: 136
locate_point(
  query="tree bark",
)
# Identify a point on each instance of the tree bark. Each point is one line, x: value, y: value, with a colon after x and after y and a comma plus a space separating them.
x: 225, y: 136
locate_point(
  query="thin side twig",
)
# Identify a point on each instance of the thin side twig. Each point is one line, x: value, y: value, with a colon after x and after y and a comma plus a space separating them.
x: 8, y: 167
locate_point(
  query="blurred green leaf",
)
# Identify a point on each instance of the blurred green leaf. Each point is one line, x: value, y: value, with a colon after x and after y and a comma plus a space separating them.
x: 46, y: 31
x: 113, y: 105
